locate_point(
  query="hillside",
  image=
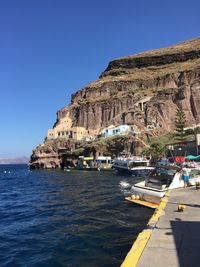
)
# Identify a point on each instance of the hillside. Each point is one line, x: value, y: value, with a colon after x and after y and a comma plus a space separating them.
x: 142, y: 90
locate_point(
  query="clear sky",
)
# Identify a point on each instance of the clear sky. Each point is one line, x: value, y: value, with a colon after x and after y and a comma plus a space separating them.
x: 51, y: 48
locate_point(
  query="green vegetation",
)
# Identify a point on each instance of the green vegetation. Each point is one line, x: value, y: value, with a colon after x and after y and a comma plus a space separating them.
x: 107, y: 146
x: 192, y: 132
x: 157, y: 148
x: 180, y: 121
x: 78, y: 152
x: 113, y: 93
x: 164, y: 139
x: 156, y: 151
x: 54, y: 142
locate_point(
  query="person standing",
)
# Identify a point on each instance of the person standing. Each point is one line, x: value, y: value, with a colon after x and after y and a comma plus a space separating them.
x: 186, y: 176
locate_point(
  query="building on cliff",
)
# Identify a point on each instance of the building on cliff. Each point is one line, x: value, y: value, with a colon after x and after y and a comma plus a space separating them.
x: 141, y: 103
x: 115, y: 130
x: 64, y: 128
x: 76, y: 133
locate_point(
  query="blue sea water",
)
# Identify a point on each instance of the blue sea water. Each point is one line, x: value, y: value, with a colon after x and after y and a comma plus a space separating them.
x: 55, y: 218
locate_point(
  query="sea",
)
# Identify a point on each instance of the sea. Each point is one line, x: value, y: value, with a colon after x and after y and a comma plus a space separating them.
x: 54, y: 218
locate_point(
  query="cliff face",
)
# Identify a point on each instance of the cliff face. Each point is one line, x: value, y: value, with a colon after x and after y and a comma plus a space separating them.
x: 170, y: 77
x: 167, y: 94
x: 143, y: 90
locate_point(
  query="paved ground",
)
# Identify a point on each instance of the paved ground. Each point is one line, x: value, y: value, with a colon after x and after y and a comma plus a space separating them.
x: 175, y: 241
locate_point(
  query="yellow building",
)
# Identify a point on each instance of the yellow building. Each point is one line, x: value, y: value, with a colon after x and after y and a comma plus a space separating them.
x: 63, y: 128
x: 77, y: 133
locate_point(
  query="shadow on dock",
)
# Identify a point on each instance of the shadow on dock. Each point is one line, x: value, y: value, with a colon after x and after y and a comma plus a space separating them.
x: 187, y: 240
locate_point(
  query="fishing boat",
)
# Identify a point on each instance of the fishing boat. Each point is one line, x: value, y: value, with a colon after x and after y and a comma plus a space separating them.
x: 135, y: 166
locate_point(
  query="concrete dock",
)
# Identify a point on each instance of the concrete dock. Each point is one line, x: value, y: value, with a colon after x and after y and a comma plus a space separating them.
x: 172, y: 238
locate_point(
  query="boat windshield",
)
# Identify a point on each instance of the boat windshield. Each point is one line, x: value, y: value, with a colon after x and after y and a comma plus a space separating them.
x: 133, y: 164
x: 161, y: 171
x: 160, y: 176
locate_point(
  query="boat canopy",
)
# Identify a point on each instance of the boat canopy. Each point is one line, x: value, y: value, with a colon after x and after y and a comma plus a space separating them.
x: 191, y: 157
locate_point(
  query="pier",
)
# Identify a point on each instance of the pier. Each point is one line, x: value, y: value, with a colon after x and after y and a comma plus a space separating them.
x: 172, y: 237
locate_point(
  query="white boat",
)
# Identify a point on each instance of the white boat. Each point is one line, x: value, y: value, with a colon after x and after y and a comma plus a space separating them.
x: 162, y: 179
x: 135, y: 166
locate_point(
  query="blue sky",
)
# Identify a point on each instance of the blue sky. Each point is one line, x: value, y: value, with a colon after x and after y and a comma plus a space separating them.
x: 51, y: 48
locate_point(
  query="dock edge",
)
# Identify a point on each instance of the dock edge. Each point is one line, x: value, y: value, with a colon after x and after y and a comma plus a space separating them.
x: 140, y: 243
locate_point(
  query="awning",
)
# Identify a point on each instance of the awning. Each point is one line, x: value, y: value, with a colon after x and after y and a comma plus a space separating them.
x: 191, y: 157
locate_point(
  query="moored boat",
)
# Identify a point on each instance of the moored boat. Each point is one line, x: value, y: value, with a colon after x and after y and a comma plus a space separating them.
x: 89, y: 164
x: 135, y: 166
x: 160, y: 180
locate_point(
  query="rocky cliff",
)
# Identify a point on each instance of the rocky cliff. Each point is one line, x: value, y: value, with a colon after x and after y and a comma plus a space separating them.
x: 143, y: 90
x: 171, y: 77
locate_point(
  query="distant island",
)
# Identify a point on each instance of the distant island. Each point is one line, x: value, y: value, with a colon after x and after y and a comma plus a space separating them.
x: 20, y: 160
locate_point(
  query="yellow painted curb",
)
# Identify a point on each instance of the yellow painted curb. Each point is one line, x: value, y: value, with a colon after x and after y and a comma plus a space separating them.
x: 140, y: 243
x: 135, y: 252
x: 159, y: 211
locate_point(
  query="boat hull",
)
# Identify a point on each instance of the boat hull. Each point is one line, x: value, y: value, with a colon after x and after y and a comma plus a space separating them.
x: 148, y: 194
x: 154, y: 195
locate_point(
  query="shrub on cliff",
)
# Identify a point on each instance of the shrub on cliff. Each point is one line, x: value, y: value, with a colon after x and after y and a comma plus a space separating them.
x: 78, y: 152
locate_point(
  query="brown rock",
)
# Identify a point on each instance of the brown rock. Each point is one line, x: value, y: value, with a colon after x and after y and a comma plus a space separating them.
x: 168, y: 78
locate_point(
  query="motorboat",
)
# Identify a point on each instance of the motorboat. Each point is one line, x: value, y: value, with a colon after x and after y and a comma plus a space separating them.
x: 135, y: 166
x: 162, y: 179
